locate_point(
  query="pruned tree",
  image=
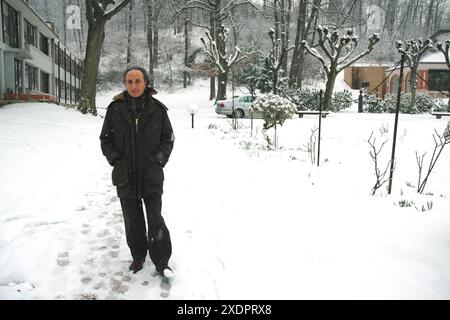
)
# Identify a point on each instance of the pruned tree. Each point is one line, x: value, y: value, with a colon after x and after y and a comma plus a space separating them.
x: 413, y: 51
x: 333, y: 45
x: 276, y: 57
x: 219, y: 57
x: 445, y: 52
x: 97, y: 16
x: 440, y: 141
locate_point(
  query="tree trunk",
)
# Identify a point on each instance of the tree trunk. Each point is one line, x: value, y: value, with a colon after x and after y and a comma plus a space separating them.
x: 448, y: 104
x: 275, y: 82
x: 150, y: 42
x: 294, y: 72
x: 130, y: 29
x: 329, y: 89
x: 429, y: 17
x: 283, y: 32
x: 222, y: 77
x: 155, y: 40
x: 412, y: 88
x: 390, y: 17
x: 212, y: 80
x: 222, y: 86
x: 95, y: 39
x: 277, y: 21
x: 212, y: 86
x: 186, y: 49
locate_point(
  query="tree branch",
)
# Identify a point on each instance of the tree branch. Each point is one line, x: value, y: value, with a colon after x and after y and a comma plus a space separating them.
x: 372, y: 41
x: 89, y: 12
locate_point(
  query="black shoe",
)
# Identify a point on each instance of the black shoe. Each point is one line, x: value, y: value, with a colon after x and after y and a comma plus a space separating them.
x: 165, y: 271
x: 137, y: 265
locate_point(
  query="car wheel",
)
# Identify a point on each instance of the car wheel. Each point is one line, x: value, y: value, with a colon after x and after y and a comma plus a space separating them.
x: 239, y: 113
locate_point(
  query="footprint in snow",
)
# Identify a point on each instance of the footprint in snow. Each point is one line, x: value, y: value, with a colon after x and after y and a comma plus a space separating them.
x: 117, y: 287
x: 103, y: 233
x: 63, y: 259
x: 114, y: 254
x: 85, y: 229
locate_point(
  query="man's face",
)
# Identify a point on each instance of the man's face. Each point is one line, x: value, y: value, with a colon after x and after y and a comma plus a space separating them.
x: 135, y: 83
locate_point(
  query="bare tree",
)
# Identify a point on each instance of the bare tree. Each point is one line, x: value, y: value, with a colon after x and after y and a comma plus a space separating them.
x: 381, y: 176
x: 440, y: 142
x: 391, y: 10
x: 276, y: 57
x: 304, y: 24
x: 151, y: 64
x: 158, y: 6
x: 130, y: 29
x: 333, y: 45
x: 218, y: 12
x: 218, y: 55
x: 97, y: 16
x: 310, y: 146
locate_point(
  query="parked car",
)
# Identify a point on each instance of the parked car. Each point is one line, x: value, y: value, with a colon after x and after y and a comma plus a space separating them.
x: 242, y: 106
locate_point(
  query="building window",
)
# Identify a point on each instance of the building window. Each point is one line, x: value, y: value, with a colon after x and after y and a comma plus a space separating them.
x: 365, y: 84
x: 18, y: 78
x: 30, y: 33
x: 11, y: 27
x: 438, y: 80
x: 31, y: 77
x: 45, y: 82
x: 43, y: 43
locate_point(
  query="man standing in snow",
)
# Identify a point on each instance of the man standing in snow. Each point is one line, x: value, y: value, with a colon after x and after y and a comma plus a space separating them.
x: 137, y: 140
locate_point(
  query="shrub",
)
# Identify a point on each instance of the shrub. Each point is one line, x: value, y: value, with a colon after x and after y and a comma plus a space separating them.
x: 341, y: 100
x: 424, y: 104
x: 308, y: 99
x: 273, y: 109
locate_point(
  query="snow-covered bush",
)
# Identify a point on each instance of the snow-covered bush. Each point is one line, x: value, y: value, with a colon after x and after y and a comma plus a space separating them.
x: 424, y: 104
x: 308, y: 99
x: 273, y: 109
x: 371, y: 103
x: 341, y: 100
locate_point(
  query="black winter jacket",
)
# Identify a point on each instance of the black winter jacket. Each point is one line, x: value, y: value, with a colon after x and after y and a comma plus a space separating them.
x: 139, y: 152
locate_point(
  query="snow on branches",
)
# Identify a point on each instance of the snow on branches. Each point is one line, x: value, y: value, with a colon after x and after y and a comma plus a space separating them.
x: 217, y: 53
x: 333, y: 47
x: 445, y: 51
x: 414, y: 50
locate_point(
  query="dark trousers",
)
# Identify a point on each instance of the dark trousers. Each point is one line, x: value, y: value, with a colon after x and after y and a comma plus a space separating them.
x: 155, y: 238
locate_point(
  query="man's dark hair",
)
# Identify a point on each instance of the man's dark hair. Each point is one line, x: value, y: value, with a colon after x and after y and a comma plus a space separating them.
x: 141, y: 69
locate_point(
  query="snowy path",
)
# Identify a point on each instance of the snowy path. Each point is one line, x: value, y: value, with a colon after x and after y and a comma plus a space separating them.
x: 245, y: 224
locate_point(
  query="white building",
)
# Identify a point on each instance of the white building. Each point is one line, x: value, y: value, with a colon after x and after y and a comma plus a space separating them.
x: 34, y: 64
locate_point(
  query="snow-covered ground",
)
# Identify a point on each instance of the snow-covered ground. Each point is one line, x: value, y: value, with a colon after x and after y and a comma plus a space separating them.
x: 246, y: 222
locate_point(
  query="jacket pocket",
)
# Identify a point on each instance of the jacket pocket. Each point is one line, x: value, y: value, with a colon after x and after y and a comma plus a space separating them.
x: 120, y: 174
x: 154, y: 173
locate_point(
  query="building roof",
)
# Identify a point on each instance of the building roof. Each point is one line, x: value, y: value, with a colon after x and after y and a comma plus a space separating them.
x: 370, y: 64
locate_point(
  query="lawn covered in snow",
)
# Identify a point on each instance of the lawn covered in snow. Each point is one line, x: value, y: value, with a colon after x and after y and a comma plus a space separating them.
x: 246, y: 222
